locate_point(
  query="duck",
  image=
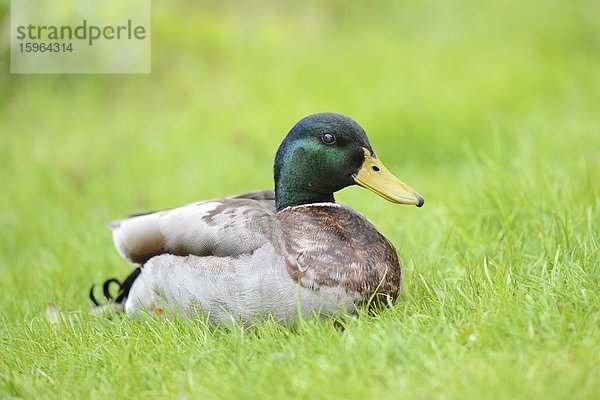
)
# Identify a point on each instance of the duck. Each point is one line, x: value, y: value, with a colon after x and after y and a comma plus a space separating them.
x: 285, y: 254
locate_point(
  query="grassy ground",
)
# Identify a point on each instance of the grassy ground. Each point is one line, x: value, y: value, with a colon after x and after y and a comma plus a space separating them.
x: 490, y: 110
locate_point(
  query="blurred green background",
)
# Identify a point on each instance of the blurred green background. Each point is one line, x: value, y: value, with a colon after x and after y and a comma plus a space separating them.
x: 490, y: 110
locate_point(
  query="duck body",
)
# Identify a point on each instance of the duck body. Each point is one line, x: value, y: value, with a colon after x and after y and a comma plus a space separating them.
x: 239, y: 259
x: 284, y: 253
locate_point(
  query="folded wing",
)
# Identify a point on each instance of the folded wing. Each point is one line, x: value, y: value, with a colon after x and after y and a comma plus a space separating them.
x: 226, y: 227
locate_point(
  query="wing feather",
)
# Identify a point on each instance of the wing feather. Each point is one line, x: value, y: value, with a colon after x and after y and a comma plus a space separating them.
x: 226, y: 227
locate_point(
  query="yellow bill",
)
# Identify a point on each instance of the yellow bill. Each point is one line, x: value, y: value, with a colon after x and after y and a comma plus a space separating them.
x: 374, y: 176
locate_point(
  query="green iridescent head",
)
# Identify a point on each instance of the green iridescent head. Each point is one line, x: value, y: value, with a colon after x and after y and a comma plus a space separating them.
x: 326, y: 152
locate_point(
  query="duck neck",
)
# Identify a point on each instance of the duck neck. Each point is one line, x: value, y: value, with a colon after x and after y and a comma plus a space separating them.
x: 291, y: 195
x: 298, y: 180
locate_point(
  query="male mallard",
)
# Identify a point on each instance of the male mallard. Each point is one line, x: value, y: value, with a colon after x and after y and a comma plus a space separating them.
x: 271, y: 253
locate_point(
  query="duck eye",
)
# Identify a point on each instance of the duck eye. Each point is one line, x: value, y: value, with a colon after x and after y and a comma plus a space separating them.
x: 328, y: 138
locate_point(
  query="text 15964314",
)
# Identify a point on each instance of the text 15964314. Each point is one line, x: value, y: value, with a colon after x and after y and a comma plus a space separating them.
x: 46, y: 47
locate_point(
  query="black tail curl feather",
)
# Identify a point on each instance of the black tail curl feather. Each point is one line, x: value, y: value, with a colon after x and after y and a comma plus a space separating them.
x: 122, y: 292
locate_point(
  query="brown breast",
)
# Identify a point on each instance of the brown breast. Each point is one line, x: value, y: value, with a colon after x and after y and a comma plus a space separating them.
x: 334, y: 246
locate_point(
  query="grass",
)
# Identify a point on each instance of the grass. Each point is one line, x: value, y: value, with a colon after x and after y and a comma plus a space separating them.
x: 489, y: 110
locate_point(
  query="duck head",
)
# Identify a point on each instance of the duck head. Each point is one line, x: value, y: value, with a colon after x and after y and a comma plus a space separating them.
x: 326, y: 152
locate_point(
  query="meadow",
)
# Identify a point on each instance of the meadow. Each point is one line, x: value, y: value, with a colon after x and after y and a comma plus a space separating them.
x: 490, y: 110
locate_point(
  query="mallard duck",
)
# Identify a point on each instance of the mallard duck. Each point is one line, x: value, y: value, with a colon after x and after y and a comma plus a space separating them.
x: 276, y: 253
